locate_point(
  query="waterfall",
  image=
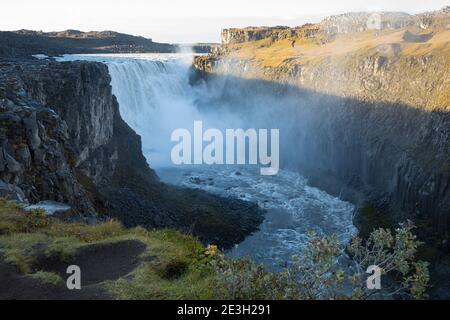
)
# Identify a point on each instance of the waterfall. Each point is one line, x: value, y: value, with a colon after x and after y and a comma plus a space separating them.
x: 155, y: 98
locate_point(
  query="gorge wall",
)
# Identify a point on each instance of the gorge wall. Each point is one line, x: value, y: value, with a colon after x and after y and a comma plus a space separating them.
x: 376, y: 102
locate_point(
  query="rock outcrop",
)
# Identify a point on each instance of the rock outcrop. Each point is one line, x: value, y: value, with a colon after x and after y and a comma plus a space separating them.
x: 12, y: 192
x: 62, y: 135
x: 340, y: 24
x: 35, y: 144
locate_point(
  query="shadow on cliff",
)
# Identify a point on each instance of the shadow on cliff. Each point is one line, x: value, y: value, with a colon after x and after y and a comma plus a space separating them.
x: 392, y: 156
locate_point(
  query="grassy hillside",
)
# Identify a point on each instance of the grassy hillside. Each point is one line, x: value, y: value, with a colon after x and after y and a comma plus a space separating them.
x: 172, y: 265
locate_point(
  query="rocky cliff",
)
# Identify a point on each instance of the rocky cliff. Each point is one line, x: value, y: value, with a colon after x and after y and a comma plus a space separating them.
x: 35, y: 148
x: 62, y: 138
x: 235, y: 35
x: 377, y: 104
x: 340, y: 24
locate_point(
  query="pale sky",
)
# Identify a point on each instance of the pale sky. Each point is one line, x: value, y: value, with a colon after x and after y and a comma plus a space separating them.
x: 184, y: 21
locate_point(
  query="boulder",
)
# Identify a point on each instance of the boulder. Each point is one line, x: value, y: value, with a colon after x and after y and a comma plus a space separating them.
x: 8, y: 163
x: 11, y: 192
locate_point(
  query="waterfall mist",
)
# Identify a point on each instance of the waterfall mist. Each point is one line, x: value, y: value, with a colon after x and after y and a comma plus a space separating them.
x: 156, y: 97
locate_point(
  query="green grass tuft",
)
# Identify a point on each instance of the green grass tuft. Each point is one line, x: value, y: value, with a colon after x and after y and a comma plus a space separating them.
x: 50, y: 278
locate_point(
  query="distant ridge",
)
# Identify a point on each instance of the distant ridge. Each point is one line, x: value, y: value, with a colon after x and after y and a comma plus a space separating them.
x: 26, y: 42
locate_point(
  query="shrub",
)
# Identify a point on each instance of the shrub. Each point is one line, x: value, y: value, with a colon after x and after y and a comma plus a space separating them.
x: 316, y: 275
x: 395, y: 255
x: 242, y: 279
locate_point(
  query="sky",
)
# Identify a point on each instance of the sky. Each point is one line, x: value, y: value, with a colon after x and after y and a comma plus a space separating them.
x: 184, y: 21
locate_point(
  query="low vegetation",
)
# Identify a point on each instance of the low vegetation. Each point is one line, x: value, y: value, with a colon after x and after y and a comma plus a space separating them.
x: 316, y: 274
x: 177, y: 266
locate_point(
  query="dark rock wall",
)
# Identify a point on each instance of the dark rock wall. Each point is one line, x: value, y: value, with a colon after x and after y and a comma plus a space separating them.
x: 375, y: 123
x: 35, y: 144
x: 80, y: 93
x: 73, y: 104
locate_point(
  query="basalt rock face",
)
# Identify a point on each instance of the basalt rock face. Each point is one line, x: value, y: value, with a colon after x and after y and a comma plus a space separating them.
x: 81, y: 95
x: 63, y: 138
x: 234, y: 35
x: 35, y: 148
x: 59, y: 132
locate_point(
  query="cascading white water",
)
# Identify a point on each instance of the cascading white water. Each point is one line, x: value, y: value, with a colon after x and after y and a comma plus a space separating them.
x: 155, y: 98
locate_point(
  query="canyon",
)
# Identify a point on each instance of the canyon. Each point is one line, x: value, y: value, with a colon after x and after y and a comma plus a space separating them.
x: 362, y: 104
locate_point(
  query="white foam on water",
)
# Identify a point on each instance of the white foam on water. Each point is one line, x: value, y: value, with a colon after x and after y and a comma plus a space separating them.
x: 293, y: 208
